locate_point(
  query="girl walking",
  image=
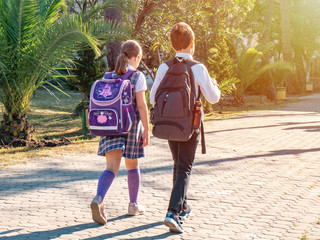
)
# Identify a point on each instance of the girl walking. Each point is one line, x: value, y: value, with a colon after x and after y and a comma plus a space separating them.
x: 128, y: 146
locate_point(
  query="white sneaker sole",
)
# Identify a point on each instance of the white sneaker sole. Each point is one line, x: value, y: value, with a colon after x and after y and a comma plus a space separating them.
x: 135, y: 213
x: 96, y: 215
x: 173, y: 226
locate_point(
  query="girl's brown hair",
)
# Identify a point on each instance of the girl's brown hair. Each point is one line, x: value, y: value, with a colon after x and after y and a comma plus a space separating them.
x: 129, y: 49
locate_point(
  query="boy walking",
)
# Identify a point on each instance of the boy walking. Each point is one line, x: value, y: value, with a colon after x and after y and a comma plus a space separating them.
x: 183, y: 152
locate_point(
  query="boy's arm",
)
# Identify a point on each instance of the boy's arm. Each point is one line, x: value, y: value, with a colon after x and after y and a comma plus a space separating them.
x: 163, y: 68
x: 208, y: 86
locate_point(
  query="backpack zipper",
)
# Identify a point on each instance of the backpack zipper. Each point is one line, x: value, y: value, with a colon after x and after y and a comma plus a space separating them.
x: 173, y: 90
x: 164, y: 103
x: 170, y: 123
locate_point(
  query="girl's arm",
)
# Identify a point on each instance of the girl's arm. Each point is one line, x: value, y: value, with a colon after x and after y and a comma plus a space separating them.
x: 143, y: 112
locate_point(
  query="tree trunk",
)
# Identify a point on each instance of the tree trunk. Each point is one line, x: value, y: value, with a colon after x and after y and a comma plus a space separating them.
x: 115, y: 16
x: 291, y: 81
x: 147, y: 8
x: 270, y: 90
x: 285, y: 30
x: 15, y: 127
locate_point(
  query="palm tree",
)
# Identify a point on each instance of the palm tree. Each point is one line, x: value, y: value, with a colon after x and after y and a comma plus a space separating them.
x: 34, y: 37
x: 249, y: 69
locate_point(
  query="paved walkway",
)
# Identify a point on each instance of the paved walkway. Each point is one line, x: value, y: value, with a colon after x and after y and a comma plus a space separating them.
x: 259, y: 180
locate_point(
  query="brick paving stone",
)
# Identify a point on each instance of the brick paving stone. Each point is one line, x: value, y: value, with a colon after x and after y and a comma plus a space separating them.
x: 258, y: 180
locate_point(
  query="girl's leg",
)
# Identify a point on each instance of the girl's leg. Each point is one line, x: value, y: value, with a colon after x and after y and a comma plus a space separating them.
x: 133, y: 178
x: 113, y: 159
x: 133, y: 186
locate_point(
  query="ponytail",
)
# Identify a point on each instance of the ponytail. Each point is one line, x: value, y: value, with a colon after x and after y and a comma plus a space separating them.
x: 122, y: 64
x: 129, y: 49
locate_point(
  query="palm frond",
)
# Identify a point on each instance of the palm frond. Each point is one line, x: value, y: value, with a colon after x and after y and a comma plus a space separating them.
x: 50, y: 9
x: 92, y: 12
x: 19, y: 19
x: 108, y: 31
x: 30, y: 48
x: 54, y: 45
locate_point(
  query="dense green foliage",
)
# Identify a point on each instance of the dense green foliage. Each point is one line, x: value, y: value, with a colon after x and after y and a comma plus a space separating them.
x: 243, y: 43
x: 88, y: 67
x: 34, y: 38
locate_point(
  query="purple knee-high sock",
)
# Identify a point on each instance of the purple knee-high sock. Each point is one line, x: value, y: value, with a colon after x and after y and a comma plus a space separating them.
x: 133, y: 184
x: 105, y: 181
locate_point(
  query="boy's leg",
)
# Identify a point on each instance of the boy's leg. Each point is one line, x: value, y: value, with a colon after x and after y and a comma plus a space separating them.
x: 174, y: 148
x: 184, y: 154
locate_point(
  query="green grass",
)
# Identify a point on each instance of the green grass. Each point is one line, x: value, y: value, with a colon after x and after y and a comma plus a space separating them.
x: 52, y: 118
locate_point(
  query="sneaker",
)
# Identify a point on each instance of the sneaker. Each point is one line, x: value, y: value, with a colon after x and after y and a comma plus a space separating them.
x: 135, y: 209
x: 97, y: 209
x: 184, y: 213
x: 172, y: 221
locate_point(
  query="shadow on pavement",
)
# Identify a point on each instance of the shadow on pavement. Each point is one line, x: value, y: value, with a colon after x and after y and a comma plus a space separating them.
x: 46, y: 178
x: 56, y: 233
x: 50, y: 234
x: 126, y: 231
x: 271, y: 154
x: 306, y: 128
x: 161, y: 236
x: 10, y: 231
x: 283, y: 124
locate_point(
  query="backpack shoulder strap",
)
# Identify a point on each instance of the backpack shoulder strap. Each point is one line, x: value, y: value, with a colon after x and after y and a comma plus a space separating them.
x: 169, y: 62
x: 128, y: 74
x: 191, y: 63
x: 107, y: 75
x: 113, y: 75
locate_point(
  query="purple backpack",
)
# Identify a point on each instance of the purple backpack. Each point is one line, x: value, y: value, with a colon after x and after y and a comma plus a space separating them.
x: 111, y: 111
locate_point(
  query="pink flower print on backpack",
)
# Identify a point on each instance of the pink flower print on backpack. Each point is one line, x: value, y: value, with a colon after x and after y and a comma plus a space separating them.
x: 102, y: 119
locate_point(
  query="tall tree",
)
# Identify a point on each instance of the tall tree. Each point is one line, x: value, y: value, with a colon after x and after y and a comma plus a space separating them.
x: 285, y: 30
x: 305, y: 37
x: 286, y: 48
x: 268, y: 83
x: 113, y: 15
x: 88, y: 67
x: 206, y: 17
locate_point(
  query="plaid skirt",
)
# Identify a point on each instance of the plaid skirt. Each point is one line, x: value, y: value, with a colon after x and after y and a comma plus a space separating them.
x: 131, y: 144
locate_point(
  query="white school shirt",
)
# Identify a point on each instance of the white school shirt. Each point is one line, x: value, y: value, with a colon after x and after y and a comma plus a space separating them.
x: 141, y: 83
x: 208, y: 87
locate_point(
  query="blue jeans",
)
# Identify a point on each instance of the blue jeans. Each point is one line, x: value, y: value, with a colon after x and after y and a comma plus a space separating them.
x: 183, y: 154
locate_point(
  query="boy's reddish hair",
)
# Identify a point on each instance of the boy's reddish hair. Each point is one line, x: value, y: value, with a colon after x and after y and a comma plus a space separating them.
x: 181, y: 36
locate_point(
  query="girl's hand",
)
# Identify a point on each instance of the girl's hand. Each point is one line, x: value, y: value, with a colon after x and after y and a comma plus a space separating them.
x: 145, y: 136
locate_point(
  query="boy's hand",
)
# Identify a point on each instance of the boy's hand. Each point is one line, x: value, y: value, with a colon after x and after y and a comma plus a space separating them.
x: 214, y: 81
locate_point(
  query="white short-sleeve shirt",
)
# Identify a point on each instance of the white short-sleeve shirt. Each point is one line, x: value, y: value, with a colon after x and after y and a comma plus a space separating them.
x: 141, y: 84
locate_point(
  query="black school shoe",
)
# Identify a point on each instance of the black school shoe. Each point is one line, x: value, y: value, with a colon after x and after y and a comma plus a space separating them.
x: 173, y: 222
x: 184, y: 213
